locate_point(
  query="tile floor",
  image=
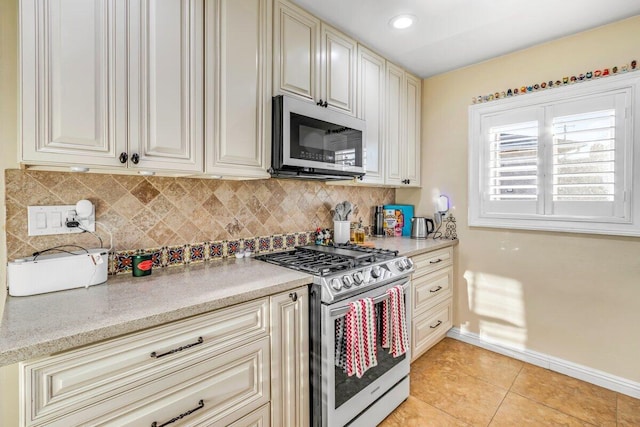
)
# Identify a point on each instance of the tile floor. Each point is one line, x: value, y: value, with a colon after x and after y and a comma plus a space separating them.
x: 457, y: 384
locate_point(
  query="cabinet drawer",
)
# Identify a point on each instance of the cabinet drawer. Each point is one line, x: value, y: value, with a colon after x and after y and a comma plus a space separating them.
x: 429, y: 328
x: 259, y: 418
x: 210, y: 391
x: 431, y: 289
x: 432, y: 261
x: 81, y: 378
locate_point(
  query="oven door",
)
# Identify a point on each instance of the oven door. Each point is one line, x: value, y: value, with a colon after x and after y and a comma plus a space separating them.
x: 345, y: 397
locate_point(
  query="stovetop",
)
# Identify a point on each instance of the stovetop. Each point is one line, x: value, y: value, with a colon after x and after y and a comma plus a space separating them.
x: 343, y: 270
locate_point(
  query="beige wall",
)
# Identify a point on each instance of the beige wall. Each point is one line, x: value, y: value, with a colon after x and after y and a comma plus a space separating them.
x: 572, y: 296
x: 8, y: 159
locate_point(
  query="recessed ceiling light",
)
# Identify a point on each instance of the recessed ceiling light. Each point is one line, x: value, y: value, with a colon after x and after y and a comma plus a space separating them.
x: 401, y: 22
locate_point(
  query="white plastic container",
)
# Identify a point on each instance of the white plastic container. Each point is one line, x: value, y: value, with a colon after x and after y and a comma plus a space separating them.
x: 57, y: 272
x: 341, y: 231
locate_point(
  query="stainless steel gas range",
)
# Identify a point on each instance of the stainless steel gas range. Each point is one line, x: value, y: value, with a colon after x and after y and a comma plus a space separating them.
x: 343, y: 274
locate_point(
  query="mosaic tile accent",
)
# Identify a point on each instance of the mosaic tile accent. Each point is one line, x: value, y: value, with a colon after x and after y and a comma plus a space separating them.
x: 264, y: 244
x: 290, y: 240
x: 233, y: 247
x: 215, y: 250
x: 196, y: 252
x: 176, y: 255
x: 277, y: 243
x: 303, y: 239
x: 250, y: 244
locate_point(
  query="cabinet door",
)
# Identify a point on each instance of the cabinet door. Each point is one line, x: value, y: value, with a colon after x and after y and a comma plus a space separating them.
x: 72, y: 81
x: 238, y: 87
x: 371, y: 108
x: 395, y: 124
x: 166, y: 51
x: 413, y: 101
x: 296, y: 49
x: 338, y: 70
x: 290, y: 358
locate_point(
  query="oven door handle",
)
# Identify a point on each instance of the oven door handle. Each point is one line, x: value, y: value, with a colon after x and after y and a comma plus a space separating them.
x: 337, y: 312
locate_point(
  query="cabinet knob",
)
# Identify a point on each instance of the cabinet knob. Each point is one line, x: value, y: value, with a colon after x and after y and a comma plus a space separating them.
x: 326, y: 104
x: 319, y: 103
x: 123, y: 157
x: 293, y: 296
x: 135, y: 158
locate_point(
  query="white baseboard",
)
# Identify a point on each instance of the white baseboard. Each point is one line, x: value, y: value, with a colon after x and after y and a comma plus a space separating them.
x: 584, y: 373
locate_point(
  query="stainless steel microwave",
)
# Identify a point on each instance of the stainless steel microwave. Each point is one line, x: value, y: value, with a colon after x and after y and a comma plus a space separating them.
x: 313, y: 142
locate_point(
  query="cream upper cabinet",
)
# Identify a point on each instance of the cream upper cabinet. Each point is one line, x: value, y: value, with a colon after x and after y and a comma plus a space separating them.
x: 413, y: 101
x: 112, y: 84
x: 403, y: 128
x: 338, y: 70
x: 395, y: 126
x: 371, y: 109
x: 290, y: 358
x: 238, y: 87
x: 166, y: 54
x: 296, y: 52
x: 72, y: 81
x: 312, y: 60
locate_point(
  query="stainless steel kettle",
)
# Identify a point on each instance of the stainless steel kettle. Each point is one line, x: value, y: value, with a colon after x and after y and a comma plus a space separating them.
x: 420, y: 228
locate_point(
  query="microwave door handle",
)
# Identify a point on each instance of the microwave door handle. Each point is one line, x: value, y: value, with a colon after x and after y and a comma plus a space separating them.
x: 337, y: 312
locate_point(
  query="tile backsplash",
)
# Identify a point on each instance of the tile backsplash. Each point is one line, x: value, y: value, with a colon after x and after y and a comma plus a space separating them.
x: 158, y: 212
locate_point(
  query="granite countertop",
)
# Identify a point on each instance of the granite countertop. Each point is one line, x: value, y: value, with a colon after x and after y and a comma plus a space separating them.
x: 40, y: 325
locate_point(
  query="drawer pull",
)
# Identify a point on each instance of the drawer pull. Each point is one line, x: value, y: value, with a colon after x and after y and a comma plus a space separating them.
x: 436, y: 261
x: 175, y: 350
x: 179, y: 417
x: 436, y: 325
x: 293, y: 296
x: 436, y: 289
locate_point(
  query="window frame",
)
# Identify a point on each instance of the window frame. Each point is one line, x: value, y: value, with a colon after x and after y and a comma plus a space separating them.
x: 625, y: 221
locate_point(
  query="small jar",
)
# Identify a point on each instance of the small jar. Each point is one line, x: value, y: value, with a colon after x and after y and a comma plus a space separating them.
x: 141, y: 264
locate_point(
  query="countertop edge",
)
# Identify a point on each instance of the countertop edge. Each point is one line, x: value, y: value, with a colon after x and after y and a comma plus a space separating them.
x: 93, y: 336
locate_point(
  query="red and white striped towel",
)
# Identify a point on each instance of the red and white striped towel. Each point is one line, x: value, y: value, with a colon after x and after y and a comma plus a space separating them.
x: 361, y: 337
x: 394, y: 323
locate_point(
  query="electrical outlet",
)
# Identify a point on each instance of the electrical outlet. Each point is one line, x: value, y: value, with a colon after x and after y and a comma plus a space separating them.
x: 47, y: 220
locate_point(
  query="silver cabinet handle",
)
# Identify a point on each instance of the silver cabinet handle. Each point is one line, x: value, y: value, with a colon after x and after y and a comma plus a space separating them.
x: 436, y: 289
x: 436, y: 261
x: 436, y: 325
x: 175, y: 350
x: 179, y: 417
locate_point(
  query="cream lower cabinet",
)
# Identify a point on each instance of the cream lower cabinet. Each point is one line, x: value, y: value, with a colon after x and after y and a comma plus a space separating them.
x: 290, y: 359
x: 214, y: 369
x: 432, y: 293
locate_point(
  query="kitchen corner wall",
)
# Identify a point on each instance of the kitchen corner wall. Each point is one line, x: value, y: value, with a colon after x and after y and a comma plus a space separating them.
x: 571, y: 296
x: 152, y: 212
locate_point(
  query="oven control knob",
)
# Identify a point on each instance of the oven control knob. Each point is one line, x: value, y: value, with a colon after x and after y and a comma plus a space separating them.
x: 376, y: 271
x: 408, y: 263
x: 400, y: 265
x: 347, y: 281
x: 336, y: 284
x: 358, y: 278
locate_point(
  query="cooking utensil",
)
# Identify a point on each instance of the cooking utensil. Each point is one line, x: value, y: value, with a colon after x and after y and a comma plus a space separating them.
x: 348, y: 207
x: 340, y: 212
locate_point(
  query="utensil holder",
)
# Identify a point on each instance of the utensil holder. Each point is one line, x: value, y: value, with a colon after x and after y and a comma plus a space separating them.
x: 341, y: 231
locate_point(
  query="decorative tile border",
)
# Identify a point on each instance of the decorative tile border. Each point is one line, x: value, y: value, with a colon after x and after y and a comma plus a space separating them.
x: 167, y: 256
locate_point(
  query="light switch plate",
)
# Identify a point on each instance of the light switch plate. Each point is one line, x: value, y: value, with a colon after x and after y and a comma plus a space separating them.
x: 47, y: 220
